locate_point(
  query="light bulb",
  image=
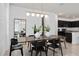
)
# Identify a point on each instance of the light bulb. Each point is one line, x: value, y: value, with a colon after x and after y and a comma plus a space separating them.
x: 27, y: 14
x: 46, y: 16
x: 42, y: 15
x: 33, y: 14
x: 37, y: 15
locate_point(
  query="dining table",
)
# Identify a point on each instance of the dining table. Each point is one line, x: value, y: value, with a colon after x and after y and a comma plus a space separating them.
x: 31, y: 39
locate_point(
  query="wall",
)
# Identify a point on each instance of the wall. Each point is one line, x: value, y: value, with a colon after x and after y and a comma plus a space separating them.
x: 15, y: 12
x: 52, y: 22
x: 19, y: 12
x: 4, y: 27
x: 31, y: 21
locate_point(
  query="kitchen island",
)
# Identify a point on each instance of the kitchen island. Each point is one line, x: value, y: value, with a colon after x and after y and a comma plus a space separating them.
x: 72, y: 36
x: 75, y: 37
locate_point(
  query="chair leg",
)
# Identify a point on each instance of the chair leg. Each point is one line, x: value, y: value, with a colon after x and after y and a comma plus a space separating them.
x: 37, y: 53
x: 10, y: 53
x: 65, y: 43
x: 46, y: 51
x: 40, y: 53
x: 61, y: 49
x: 22, y: 51
x: 31, y: 52
x: 54, y: 52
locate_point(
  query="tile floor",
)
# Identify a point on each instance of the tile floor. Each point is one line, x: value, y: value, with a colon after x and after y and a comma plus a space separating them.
x: 71, y: 50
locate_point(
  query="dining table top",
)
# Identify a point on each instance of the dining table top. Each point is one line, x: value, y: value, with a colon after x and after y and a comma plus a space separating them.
x: 43, y: 38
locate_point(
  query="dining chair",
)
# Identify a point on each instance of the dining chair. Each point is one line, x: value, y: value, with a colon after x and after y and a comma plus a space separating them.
x: 39, y: 47
x: 55, y: 43
x: 15, y: 46
x: 32, y: 37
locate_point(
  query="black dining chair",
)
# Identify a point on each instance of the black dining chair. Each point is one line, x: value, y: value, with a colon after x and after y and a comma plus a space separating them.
x: 55, y: 43
x: 15, y: 46
x: 39, y: 47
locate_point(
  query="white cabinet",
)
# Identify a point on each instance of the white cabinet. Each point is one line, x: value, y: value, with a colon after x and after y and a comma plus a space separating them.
x: 75, y: 37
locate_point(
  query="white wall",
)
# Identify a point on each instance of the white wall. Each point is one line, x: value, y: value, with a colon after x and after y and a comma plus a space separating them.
x: 31, y: 21
x: 15, y: 12
x: 19, y: 12
x: 4, y: 27
x: 52, y: 22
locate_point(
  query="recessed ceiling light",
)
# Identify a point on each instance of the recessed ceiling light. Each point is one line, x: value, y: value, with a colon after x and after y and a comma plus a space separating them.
x: 27, y: 14
x: 33, y: 14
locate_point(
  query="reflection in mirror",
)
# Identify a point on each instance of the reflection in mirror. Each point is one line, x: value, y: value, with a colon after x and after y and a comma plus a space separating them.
x: 20, y: 29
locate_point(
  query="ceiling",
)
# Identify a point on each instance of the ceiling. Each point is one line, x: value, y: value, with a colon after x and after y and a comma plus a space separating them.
x: 67, y: 10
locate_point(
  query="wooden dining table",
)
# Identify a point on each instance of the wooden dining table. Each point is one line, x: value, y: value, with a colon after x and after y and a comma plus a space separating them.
x: 30, y: 39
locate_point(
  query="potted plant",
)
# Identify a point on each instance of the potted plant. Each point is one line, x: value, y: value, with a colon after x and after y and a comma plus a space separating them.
x: 47, y: 28
x: 36, y: 29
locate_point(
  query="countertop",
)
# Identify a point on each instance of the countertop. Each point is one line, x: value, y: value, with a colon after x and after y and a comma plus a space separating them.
x: 69, y: 31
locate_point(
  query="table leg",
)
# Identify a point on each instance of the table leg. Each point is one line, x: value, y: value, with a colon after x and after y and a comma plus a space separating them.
x: 30, y: 48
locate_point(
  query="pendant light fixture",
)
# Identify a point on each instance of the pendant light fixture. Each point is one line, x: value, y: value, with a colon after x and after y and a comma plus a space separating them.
x: 28, y: 14
x: 37, y: 15
x: 33, y: 14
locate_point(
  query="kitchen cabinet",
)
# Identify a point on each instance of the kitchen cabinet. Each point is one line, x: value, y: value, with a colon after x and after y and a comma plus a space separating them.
x: 68, y: 23
x: 68, y: 37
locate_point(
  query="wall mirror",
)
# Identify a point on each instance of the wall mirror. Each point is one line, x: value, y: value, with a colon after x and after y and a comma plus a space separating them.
x: 20, y: 29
